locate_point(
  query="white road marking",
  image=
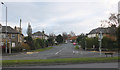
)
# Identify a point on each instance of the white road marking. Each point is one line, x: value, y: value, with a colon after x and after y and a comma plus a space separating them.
x: 56, y: 53
x: 59, y: 51
x: 75, y: 52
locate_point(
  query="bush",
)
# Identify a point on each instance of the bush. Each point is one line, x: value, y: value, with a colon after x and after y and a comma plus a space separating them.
x: 46, y: 43
x: 89, y: 42
x: 17, y: 49
x: 37, y: 44
x: 77, y: 47
x: 20, y: 47
x: 25, y: 47
x: 108, y: 43
x: 59, y: 39
x: 50, y: 41
x: 118, y: 36
x: 30, y: 41
x: 40, y: 43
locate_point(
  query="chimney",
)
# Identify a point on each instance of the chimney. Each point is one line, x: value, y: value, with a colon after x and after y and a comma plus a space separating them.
x: 20, y: 26
x: 15, y: 28
x: 43, y: 31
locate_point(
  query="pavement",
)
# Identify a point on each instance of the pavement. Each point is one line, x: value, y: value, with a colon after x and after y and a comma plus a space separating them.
x: 61, y: 51
x: 89, y: 65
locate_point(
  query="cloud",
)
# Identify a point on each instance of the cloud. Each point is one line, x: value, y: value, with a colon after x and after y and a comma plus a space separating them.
x: 59, y: 17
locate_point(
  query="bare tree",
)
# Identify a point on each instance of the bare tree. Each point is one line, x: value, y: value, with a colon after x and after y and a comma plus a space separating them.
x: 65, y: 36
x: 72, y: 33
x: 113, y: 18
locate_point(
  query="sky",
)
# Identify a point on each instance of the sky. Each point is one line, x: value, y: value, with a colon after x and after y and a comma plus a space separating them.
x: 58, y: 16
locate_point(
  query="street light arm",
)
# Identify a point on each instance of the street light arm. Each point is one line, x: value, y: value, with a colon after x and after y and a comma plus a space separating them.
x: 3, y: 4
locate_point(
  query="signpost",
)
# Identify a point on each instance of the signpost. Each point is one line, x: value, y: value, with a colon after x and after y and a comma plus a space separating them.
x: 9, y: 45
x: 85, y: 46
x: 100, y: 37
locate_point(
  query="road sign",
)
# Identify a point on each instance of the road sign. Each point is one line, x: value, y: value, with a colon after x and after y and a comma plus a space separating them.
x: 100, y: 36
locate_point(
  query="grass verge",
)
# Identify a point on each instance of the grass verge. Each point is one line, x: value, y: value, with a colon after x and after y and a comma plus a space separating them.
x: 64, y: 60
x: 42, y: 49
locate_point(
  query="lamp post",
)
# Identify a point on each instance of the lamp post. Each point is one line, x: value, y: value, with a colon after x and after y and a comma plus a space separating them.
x: 6, y: 24
x: 9, y: 45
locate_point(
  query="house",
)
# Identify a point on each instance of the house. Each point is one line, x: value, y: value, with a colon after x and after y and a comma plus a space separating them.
x: 20, y: 36
x: 107, y: 32
x: 13, y: 36
x: 40, y: 35
x: 73, y: 38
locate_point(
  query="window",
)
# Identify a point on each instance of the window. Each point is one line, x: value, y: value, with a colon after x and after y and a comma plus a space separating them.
x: 13, y: 44
x: 1, y: 43
x: 12, y: 35
x: 3, y: 36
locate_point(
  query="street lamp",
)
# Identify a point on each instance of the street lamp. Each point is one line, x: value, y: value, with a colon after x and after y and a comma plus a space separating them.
x: 6, y: 24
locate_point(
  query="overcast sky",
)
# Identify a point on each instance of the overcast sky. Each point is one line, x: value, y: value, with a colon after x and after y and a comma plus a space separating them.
x: 57, y: 17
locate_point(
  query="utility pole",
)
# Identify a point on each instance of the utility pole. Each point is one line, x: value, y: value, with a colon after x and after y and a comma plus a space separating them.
x: 9, y: 45
x: 6, y: 25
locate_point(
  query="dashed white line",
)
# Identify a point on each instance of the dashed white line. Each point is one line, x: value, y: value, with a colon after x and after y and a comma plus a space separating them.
x: 59, y: 51
x: 56, y: 53
x: 75, y: 52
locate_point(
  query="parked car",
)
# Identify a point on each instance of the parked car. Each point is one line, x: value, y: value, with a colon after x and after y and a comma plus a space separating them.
x: 74, y: 43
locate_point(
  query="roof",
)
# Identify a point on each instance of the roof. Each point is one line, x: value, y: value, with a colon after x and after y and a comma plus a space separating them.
x: 107, y: 30
x: 10, y: 30
x: 39, y: 34
x: 73, y: 38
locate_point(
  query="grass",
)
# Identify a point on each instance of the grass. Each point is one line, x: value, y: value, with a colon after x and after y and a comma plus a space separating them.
x: 42, y: 49
x: 64, y: 60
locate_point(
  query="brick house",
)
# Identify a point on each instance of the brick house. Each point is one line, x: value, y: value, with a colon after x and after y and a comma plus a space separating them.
x: 40, y: 35
x: 13, y: 36
x: 107, y: 32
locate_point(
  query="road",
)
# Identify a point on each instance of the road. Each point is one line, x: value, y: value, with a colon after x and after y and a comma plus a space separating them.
x: 61, y: 51
x: 90, y: 65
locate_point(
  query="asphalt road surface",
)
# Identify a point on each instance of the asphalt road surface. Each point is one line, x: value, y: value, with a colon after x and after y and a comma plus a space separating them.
x: 61, y: 51
x: 90, y: 65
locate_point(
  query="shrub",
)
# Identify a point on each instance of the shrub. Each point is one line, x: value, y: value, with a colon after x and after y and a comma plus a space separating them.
x: 17, y: 49
x: 108, y: 43
x: 30, y: 41
x: 25, y: 46
x: 50, y: 41
x: 59, y: 39
x: 77, y: 47
x: 37, y: 43
x: 40, y: 43
x: 20, y: 47
x: 118, y: 36
x: 46, y: 43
